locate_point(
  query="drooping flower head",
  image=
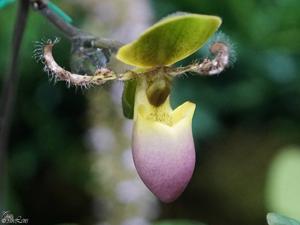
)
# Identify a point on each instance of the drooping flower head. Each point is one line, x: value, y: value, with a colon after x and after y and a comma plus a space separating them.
x: 162, y: 144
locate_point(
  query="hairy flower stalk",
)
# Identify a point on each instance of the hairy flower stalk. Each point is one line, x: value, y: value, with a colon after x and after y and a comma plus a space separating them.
x: 163, y: 146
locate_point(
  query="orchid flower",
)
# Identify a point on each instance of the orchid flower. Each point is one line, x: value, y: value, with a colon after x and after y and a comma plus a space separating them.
x: 162, y: 143
x: 162, y: 140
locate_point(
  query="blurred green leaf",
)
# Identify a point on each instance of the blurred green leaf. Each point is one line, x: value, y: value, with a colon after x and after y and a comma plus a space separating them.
x: 178, y: 222
x: 276, y: 219
x: 128, y: 98
x: 283, y: 183
x: 170, y: 40
x: 4, y: 3
x: 59, y: 12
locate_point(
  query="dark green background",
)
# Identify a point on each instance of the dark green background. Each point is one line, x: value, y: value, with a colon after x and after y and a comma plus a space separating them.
x: 244, y: 116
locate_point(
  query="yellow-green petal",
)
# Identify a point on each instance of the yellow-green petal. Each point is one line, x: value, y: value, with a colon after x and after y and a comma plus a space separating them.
x: 170, y: 40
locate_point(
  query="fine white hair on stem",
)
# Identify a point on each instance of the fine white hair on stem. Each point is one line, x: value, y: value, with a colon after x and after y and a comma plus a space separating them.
x: 214, y: 66
x: 38, y: 52
x: 221, y: 37
x: 220, y: 49
x: 43, y: 53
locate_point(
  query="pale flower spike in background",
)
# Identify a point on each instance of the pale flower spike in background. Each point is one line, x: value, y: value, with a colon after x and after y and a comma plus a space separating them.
x: 162, y: 144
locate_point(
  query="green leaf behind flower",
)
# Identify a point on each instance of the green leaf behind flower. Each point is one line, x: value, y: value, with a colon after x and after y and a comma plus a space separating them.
x: 128, y: 98
x: 170, y: 40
